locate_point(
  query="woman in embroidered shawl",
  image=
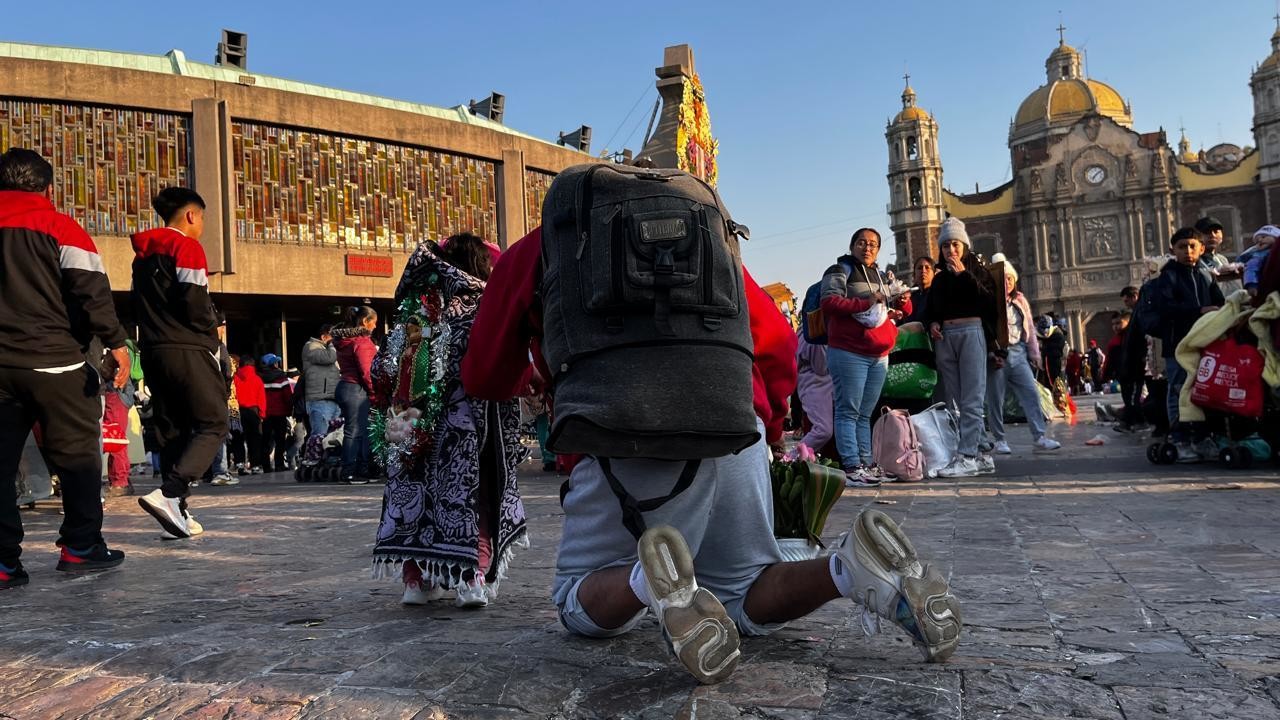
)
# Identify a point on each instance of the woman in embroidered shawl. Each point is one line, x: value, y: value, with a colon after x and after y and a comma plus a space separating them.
x: 451, y: 511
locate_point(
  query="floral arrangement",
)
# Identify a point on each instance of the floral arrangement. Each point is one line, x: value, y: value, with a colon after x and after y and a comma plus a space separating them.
x: 413, y: 370
x: 804, y: 491
x: 696, y: 150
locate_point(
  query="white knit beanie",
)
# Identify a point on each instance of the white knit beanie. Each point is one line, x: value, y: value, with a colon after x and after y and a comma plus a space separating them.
x: 1009, y: 270
x: 953, y: 229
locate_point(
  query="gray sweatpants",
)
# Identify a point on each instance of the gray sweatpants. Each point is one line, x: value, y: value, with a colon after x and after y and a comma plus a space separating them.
x: 726, y: 517
x: 962, y: 368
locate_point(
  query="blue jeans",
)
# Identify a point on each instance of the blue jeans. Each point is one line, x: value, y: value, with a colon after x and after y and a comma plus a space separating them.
x: 320, y: 413
x: 219, y: 466
x: 355, y: 432
x: 858, y: 380
x: 1016, y: 374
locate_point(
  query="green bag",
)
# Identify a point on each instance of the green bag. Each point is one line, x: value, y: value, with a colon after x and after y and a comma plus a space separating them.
x: 911, y: 374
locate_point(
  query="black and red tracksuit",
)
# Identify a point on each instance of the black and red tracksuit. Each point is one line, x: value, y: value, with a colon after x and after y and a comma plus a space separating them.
x: 275, y: 426
x: 177, y: 334
x: 54, y: 299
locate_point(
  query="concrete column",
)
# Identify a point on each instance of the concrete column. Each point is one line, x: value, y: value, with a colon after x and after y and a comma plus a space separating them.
x: 284, y: 341
x: 211, y: 138
x: 513, y: 221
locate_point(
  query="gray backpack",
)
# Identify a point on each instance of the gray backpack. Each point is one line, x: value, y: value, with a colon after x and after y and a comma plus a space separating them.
x: 645, y: 325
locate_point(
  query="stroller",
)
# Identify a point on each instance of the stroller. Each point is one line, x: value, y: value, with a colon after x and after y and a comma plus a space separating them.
x: 1233, y: 388
x: 322, y: 456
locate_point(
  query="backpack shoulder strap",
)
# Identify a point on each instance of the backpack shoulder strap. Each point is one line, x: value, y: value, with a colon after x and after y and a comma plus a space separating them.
x: 632, y: 509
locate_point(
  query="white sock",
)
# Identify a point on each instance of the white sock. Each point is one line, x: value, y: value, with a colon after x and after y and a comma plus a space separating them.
x: 841, y: 576
x: 639, y: 586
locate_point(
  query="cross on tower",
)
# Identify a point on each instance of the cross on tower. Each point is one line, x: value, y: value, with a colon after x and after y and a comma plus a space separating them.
x: 1062, y: 38
x: 906, y: 78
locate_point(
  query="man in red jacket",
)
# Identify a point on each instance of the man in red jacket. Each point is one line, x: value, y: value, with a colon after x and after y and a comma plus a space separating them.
x: 178, y: 335
x: 721, y: 525
x: 54, y: 298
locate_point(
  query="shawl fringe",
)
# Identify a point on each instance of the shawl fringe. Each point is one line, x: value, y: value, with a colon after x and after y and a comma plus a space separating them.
x: 447, y: 574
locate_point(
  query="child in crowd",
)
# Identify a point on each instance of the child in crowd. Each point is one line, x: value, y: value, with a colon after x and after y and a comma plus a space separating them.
x: 1184, y: 293
x: 1255, y: 258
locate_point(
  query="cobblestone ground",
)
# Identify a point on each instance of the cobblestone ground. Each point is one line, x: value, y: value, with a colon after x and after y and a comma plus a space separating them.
x: 1094, y: 586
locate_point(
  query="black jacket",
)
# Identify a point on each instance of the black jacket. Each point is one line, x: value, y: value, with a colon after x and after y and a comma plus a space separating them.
x: 1181, y: 292
x: 171, y: 292
x: 54, y: 292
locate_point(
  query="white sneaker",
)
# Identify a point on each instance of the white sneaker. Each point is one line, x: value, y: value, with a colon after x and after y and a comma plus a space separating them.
x: 860, y: 477
x: 890, y: 582
x: 961, y: 466
x: 416, y: 594
x: 224, y: 479
x: 167, y: 511
x: 986, y: 465
x: 694, y: 622
x: 193, y: 527
x: 1047, y: 443
x: 1002, y: 448
x: 472, y: 596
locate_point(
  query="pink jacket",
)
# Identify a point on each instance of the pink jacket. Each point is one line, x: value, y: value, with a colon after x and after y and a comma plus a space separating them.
x: 1028, y: 327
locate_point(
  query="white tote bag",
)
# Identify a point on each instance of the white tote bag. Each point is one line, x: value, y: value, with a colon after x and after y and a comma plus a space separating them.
x: 939, y: 436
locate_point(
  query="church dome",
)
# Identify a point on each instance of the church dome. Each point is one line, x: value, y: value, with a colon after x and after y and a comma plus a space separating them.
x: 1069, y: 99
x: 910, y: 111
x: 1066, y: 97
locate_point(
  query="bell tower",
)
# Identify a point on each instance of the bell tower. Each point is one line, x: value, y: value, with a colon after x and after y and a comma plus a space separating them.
x: 915, y: 180
x: 1265, y: 86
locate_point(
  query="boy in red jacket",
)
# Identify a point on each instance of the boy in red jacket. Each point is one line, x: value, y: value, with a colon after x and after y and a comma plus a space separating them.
x: 722, y: 524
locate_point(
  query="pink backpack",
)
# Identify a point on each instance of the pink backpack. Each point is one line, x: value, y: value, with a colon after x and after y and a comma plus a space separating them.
x: 895, y: 446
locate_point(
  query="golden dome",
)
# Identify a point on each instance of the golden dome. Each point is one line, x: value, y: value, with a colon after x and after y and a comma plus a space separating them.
x: 1068, y: 99
x: 910, y: 111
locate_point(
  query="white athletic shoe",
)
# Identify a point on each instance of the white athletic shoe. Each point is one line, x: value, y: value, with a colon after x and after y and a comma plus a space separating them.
x: 1002, y: 448
x: 986, y: 465
x: 1047, y: 443
x: 694, y: 622
x: 167, y: 511
x: 224, y: 479
x: 417, y: 594
x: 961, y: 466
x: 890, y: 582
x: 193, y: 527
x: 472, y: 596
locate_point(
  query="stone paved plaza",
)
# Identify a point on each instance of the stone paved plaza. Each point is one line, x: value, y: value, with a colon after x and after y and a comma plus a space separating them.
x: 1093, y: 584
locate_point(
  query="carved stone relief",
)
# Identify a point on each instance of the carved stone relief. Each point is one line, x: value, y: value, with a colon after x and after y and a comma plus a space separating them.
x: 1101, y: 237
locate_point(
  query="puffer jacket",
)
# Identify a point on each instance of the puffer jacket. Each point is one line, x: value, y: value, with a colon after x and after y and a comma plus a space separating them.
x: 846, y: 290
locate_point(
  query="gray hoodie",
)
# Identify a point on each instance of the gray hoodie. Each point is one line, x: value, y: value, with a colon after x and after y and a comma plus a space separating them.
x: 319, y: 370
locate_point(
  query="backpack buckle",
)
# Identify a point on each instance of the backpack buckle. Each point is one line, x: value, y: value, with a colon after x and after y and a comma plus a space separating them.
x: 665, y: 262
x: 738, y: 229
x: 710, y: 322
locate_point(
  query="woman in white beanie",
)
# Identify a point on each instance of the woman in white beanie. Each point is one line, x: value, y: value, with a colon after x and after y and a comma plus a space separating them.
x: 960, y: 300
x: 1023, y: 352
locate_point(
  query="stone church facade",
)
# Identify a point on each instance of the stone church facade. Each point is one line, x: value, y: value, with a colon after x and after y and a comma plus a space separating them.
x: 1090, y: 197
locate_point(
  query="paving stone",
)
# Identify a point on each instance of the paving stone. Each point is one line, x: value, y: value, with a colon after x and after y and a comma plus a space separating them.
x: 1004, y: 693
x: 1147, y: 703
x: 73, y: 700
x: 1072, y: 580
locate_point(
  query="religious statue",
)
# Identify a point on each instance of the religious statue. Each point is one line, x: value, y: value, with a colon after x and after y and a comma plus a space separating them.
x: 1035, y: 180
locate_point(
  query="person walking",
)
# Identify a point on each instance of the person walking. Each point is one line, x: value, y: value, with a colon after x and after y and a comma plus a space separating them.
x: 860, y: 333
x: 320, y: 381
x: 451, y: 512
x: 54, y: 299
x: 251, y: 397
x: 177, y: 332
x: 356, y: 350
x: 276, y: 439
x: 1023, y: 354
x: 960, y: 312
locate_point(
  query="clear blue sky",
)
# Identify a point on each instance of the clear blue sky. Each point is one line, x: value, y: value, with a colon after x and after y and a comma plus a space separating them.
x: 799, y: 92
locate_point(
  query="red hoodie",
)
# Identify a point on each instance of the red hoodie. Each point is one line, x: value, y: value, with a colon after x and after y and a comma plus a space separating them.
x: 508, y: 326
x: 250, y: 392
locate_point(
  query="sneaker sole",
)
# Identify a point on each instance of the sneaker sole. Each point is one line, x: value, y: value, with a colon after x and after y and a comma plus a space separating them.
x: 89, y: 566
x: 935, y: 610
x: 694, y: 622
x: 163, y: 518
x: 14, y: 583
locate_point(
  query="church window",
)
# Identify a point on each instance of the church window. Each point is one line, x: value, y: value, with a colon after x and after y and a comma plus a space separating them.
x: 913, y: 150
x: 913, y: 189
